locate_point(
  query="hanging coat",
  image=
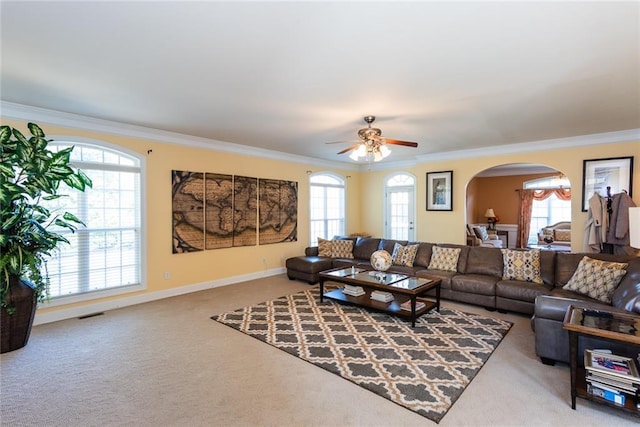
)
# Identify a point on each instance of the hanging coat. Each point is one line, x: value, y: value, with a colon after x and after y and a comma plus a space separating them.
x: 618, y: 233
x: 596, y: 226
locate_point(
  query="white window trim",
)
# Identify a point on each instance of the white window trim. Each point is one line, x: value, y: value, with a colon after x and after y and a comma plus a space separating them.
x: 339, y: 177
x: 123, y: 290
x: 384, y: 198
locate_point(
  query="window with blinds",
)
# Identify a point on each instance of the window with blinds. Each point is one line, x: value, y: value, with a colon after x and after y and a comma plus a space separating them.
x: 107, y: 253
x: 327, y: 210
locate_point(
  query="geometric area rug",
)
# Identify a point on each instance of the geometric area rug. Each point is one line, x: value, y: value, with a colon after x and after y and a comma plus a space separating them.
x: 424, y: 369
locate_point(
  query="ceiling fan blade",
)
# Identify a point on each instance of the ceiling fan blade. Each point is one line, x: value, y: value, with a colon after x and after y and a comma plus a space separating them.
x: 405, y: 143
x: 346, y: 150
x: 340, y: 142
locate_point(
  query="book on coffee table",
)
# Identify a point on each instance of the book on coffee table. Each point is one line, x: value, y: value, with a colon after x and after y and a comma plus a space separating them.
x: 354, y: 291
x: 382, y: 296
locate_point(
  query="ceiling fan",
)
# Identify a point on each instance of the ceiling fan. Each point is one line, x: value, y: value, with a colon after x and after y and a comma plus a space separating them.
x: 372, y: 145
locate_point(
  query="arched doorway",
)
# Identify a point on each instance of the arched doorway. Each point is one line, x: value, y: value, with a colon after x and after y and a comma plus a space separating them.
x: 500, y: 188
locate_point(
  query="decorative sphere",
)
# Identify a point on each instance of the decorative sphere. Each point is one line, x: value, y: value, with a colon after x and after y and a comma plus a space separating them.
x: 381, y: 260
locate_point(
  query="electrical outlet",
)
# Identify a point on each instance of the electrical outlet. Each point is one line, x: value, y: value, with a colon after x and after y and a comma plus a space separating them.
x: 264, y: 260
x: 167, y: 275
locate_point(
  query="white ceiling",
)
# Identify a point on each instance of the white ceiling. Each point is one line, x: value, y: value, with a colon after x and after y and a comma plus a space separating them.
x: 292, y: 76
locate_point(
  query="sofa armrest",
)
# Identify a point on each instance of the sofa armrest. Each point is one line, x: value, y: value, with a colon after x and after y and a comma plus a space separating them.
x: 555, y: 308
x: 311, y: 251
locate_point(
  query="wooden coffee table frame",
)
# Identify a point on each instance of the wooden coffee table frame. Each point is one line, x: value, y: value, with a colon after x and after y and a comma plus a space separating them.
x: 401, y: 294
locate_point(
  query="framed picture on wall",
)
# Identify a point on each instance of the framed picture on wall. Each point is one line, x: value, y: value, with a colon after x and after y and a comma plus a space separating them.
x: 598, y: 175
x: 439, y: 191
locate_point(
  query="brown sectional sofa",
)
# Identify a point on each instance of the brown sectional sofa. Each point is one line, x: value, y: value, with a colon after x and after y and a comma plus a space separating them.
x: 478, y: 280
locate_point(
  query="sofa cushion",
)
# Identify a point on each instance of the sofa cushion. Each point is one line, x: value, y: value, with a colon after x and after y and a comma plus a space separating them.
x: 562, y: 235
x: 627, y: 294
x: 365, y: 247
x: 404, y: 255
x: 520, y: 291
x: 308, y: 264
x: 444, y: 258
x: 597, y: 279
x: 521, y: 265
x: 342, y: 249
x: 548, y: 266
x: 325, y: 247
x: 476, y: 284
x: 484, y: 260
x: 444, y: 276
x: 423, y: 255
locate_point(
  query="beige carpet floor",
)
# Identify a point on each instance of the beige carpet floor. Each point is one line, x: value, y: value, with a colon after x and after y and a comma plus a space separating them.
x: 166, y: 363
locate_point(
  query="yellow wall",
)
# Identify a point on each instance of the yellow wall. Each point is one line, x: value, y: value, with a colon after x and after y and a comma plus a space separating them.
x: 448, y: 226
x: 364, y: 201
x: 207, y: 266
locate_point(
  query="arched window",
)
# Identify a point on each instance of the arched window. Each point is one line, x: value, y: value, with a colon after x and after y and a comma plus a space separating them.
x: 400, y: 207
x: 105, y: 257
x: 327, y: 206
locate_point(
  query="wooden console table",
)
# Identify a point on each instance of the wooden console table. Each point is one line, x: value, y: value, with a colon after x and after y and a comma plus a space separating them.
x: 607, y: 329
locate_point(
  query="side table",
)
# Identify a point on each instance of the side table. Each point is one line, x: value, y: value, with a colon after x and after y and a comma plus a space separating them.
x: 505, y: 234
x: 611, y: 327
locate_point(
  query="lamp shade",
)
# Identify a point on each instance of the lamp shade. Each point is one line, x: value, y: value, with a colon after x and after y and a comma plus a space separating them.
x: 489, y: 213
x: 634, y: 227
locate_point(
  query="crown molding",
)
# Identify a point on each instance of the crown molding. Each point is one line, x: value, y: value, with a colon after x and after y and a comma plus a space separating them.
x: 75, y: 121
x: 58, y: 118
x: 531, y: 146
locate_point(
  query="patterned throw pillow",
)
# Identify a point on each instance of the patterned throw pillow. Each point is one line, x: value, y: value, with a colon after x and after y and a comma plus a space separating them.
x: 521, y: 265
x: 481, y: 232
x: 562, y: 235
x: 324, y: 247
x: 596, y: 279
x: 404, y: 255
x: 342, y: 249
x: 444, y: 258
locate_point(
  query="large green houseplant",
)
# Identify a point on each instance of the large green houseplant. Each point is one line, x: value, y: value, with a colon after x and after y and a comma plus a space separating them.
x: 30, y: 172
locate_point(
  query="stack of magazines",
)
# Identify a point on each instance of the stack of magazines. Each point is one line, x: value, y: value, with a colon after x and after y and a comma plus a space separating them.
x: 382, y: 296
x: 354, y: 291
x: 611, y: 377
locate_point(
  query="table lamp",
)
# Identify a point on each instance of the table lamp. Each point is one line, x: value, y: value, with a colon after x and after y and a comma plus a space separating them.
x: 490, y: 215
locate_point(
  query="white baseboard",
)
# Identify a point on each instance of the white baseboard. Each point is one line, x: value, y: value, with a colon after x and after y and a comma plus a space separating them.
x: 99, y: 307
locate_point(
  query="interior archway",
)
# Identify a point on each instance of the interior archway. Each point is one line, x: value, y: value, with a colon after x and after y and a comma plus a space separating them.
x: 498, y: 188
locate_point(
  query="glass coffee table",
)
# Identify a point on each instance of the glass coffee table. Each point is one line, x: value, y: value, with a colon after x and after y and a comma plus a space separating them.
x: 404, y: 288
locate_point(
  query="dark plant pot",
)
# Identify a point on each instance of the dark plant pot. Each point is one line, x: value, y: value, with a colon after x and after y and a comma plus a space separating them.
x: 15, y: 328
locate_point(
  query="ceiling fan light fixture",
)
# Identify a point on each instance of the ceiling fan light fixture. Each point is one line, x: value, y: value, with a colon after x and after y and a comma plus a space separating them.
x: 372, y: 146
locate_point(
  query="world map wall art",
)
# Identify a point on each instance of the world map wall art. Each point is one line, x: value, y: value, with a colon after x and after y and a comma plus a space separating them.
x: 214, y: 211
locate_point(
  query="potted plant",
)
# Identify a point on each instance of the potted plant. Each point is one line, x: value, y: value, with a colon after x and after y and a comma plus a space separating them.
x: 30, y: 172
